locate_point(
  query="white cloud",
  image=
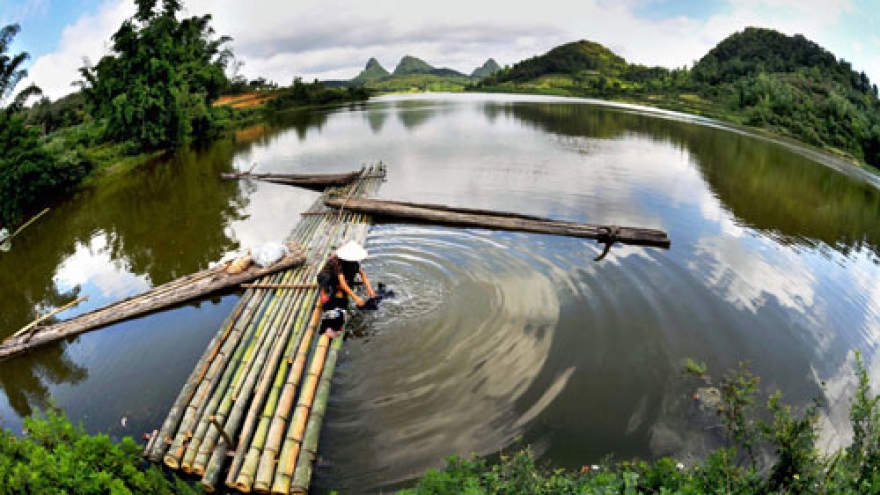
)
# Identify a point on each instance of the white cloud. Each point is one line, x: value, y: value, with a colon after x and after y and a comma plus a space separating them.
x: 334, y: 38
x: 87, y: 38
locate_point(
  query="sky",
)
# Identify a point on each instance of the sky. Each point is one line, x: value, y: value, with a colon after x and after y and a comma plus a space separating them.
x: 334, y: 39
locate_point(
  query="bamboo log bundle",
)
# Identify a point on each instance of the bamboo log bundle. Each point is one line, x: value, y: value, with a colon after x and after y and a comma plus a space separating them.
x: 252, y: 372
x: 164, y: 296
x: 464, y: 217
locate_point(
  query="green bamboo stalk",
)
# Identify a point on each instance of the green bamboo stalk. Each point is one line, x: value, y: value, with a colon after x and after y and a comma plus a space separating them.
x: 233, y: 421
x: 173, y: 419
x: 278, y: 425
x: 232, y: 394
x: 296, y: 431
x: 195, y: 410
x: 269, y: 375
x: 241, y: 475
x: 302, y: 477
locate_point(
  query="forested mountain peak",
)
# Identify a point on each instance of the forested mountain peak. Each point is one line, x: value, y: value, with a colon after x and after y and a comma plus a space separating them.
x: 758, y: 50
x: 371, y: 72
x: 570, y: 58
x: 412, y: 65
x: 487, y: 69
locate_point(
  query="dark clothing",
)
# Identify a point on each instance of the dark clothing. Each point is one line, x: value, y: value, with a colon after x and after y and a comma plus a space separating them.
x: 328, y: 278
x: 333, y: 309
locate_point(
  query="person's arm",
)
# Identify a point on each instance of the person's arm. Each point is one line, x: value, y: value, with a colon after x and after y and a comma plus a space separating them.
x: 370, y: 291
x: 345, y: 288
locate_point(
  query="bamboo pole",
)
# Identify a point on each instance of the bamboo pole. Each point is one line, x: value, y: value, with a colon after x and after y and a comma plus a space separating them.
x: 195, y: 407
x: 293, y: 440
x: 48, y: 315
x: 28, y: 223
x: 198, y: 374
x: 279, y: 286
x: 241, y: 473
x: 241, y: 397
x: 290, y: 388
x: 252, y: 355
x: 287, y: 338
x: 142, y: 304
x: 275, y: 436
x: 308, y: 453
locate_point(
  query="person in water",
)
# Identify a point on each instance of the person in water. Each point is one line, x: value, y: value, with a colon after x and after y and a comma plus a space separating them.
x: 336, y: 280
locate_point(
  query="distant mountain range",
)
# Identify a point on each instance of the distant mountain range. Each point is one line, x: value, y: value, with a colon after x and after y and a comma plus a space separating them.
x: 413, y: 66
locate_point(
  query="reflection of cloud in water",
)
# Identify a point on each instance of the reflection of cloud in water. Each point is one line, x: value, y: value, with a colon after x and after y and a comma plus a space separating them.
x: 459, y: 385
x: 746, y: 278
x: 92, y: 265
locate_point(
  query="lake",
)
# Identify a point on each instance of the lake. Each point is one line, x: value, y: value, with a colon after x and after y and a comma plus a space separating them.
x: 495, y: 339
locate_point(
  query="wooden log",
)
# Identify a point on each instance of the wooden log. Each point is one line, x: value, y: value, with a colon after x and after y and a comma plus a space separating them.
x: 463, y: 217
x: 148, y: 302
x: 309, y: 181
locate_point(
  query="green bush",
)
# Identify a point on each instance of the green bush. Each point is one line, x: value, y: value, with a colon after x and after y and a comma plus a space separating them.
x: 58, y: 457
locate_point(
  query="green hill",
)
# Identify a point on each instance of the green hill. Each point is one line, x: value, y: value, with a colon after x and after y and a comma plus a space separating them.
x: 371, y: 72
x: 487, y: 69
x: 757, y: 77
x: 412, y: 65
x: 570, y: 59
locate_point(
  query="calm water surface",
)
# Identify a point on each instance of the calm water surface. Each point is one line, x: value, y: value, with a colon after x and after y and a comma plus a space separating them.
x: 495, y: 339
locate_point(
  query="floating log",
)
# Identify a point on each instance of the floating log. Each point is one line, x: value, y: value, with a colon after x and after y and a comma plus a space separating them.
x: 171, y: 294
x: 466, y: 217
x: 308, y: 181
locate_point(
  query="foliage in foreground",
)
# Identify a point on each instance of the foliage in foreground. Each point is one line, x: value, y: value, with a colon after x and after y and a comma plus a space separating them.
x: 795, y: 466
x: 58, y: 457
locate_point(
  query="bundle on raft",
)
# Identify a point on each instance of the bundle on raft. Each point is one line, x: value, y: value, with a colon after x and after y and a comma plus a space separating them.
x: 487, y: 219
x: 167, y: 295
x: 317, y: 182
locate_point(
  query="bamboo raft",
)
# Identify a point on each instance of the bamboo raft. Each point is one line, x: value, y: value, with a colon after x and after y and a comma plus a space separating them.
x: 173, y: 293
x: 254, y: 405
x: 311, y: 181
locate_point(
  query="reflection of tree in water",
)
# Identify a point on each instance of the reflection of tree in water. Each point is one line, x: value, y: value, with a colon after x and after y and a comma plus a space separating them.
x: 162, y: 221
x: 764, y: 185
x: 376, y: 118
x: 413, y: 114
x: 24, y: 379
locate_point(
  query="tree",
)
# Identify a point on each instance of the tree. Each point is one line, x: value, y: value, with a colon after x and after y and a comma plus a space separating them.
x: 156, y: 87
x: 29, y: 175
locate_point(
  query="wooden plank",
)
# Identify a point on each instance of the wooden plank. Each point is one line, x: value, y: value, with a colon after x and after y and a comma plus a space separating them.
x: 465, y: 217
x: 164, y: 296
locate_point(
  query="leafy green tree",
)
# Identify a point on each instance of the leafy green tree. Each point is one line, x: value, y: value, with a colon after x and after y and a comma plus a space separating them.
x: 29, y: 175
x: 156, y: 87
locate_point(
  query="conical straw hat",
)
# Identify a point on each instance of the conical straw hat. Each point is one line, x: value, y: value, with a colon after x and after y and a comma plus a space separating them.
x: 351, y: 251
